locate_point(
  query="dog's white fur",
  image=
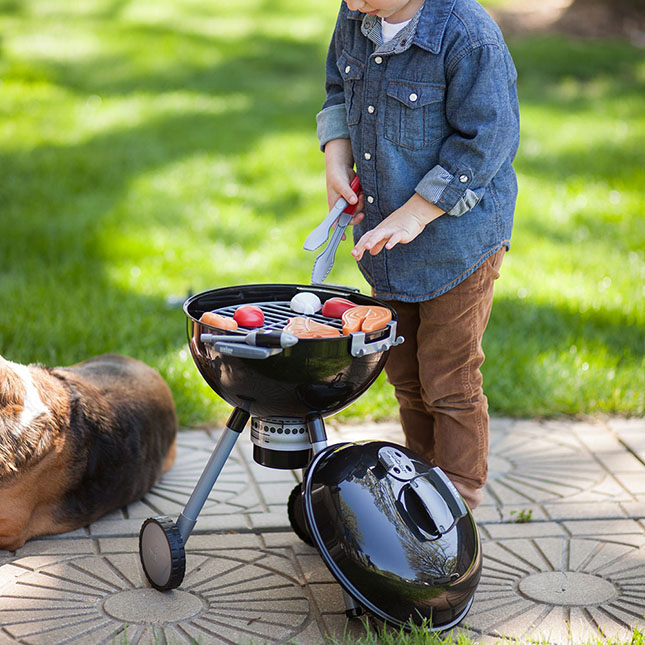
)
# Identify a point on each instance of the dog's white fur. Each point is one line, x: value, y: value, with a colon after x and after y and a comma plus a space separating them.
x: 33, y: 405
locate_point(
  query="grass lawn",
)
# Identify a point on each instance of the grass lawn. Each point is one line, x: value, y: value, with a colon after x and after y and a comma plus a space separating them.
x: 419, y: 635
x: 152, y: 148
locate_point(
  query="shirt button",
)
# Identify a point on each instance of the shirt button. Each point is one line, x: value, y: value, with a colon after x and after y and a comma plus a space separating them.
x: 413, y: 97
x: 348, y: 69
x: 463, y: 178
x: 370, y: 199
x: 378, y: 60
x: 370, y: 109
x: 367, y: 156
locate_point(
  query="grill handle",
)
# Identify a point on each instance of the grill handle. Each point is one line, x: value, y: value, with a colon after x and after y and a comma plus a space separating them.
x: 256, y: 344
x: 257, y: 338
x: 361, y: 348
x: 240, y: 350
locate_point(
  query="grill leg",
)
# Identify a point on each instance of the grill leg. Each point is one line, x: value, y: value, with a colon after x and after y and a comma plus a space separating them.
x: 352, y: 608
x: 188, y: 517
x: 317, y: 433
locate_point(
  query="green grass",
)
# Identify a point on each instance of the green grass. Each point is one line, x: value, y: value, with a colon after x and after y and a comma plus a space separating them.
x: 152, y: 148
x: 416, y: 635
x: 419, y: 635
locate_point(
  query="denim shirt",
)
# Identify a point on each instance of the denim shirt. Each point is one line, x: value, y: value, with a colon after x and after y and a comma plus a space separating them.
x: 433, y: 111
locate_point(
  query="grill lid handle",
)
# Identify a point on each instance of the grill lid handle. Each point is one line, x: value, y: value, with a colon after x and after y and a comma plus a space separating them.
x: 441, y: 503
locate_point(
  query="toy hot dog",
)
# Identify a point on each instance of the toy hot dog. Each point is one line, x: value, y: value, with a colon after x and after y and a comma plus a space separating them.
x: 215, y: 320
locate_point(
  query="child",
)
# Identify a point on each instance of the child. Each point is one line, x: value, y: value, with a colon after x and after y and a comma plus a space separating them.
x: 421, y: 97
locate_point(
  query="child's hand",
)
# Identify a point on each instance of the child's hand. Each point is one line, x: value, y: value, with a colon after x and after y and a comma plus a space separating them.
x: 401, y: 227
x: 339, y: 167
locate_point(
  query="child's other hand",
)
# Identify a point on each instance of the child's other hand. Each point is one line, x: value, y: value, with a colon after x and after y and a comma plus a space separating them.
x: 401, y: 227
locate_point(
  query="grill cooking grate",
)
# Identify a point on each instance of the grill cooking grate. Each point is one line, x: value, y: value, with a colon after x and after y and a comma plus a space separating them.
x: 276, y: 315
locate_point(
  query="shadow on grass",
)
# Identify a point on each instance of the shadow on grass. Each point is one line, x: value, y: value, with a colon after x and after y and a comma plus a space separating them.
x: 569, y: 80
x: 55, y: 198
x: 607, y: 161
x: 534, y: 352
x: 558, y: 327
x: 543, y: 62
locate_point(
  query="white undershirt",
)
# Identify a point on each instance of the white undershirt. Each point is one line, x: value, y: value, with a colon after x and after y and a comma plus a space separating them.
x: 389, y: 29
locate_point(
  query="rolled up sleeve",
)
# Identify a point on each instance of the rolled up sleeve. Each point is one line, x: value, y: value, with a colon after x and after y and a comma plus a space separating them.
x: 332, y: 124
x: 482, y: 110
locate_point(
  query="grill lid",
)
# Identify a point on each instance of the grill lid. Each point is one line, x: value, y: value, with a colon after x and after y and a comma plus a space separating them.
x: 394, y: 532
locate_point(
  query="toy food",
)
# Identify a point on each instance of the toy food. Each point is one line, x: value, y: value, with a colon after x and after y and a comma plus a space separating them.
x: 376, y: 318
x: 365, y: 318
x: 305, y: 303
x: 249, y: 316
x: 336, y: 307
x: 215, y: 320
x: 303, y: 327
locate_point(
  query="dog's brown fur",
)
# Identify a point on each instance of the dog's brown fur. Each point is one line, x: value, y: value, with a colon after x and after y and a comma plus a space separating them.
x: 106, y: 433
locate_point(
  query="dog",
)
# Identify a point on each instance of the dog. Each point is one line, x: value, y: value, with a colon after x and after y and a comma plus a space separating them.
x: 79, y: 442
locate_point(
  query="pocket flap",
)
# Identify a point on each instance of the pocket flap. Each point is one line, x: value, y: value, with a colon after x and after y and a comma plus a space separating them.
x: 350, y: 68
x: 415, y: 95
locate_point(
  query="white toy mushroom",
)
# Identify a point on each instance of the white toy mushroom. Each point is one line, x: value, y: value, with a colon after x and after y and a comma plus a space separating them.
x: 305, y: 303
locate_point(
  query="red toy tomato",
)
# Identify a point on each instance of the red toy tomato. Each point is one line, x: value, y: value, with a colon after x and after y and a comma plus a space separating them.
x: 336, y: 307
x: 249, y: 316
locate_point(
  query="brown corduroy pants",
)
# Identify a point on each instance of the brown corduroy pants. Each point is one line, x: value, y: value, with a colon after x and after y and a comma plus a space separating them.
x: 437, y: 379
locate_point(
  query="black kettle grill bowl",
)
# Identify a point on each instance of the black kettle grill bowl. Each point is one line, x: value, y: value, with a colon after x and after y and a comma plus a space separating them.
x: 317, y: 376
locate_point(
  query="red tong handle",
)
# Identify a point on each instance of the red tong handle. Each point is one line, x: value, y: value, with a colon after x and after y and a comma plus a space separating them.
x: 356, y: 187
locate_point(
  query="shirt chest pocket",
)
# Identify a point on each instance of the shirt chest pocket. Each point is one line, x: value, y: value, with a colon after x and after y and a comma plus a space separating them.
x: 351, y: 71
x: 414, y: 114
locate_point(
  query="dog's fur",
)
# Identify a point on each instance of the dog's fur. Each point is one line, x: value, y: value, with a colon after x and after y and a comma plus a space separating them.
x: 79, y: 442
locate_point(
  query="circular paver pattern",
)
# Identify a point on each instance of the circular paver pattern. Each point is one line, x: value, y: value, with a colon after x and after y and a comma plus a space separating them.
x: 529, y: 465
x: 170, y: 494
x: 244, y: 596
x: 560, y: 589
x: 160, y: 609
x: 567, y: 589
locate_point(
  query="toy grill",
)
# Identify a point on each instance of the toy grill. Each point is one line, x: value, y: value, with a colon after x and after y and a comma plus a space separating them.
x: 286, y: 386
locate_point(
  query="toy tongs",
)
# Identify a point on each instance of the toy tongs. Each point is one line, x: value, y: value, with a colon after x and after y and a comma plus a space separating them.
x: 341, y: 211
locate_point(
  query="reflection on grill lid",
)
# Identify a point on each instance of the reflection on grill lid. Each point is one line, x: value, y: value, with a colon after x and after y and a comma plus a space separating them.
x: 394, y: 532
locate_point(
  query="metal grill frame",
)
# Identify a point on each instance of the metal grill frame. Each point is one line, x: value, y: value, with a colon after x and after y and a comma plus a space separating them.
x: 276, y: 316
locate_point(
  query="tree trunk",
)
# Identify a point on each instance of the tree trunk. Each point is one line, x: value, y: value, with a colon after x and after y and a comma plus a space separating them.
x: 604, y: 17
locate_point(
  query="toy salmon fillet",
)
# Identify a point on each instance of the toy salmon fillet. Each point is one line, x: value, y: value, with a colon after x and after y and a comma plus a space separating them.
x: 365, y: 318
x: 304, y: 327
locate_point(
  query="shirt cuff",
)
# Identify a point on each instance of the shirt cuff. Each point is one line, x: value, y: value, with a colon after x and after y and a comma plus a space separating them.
x: 449, y: 192
x: 332, y: 124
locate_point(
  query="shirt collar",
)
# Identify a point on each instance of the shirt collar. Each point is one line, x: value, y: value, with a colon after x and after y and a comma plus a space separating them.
x: 426, y: 28
x: 372, y: 29
x: 432, y: 24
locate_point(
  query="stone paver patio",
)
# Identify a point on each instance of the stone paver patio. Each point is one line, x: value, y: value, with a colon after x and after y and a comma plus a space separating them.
x: 562, y: 524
